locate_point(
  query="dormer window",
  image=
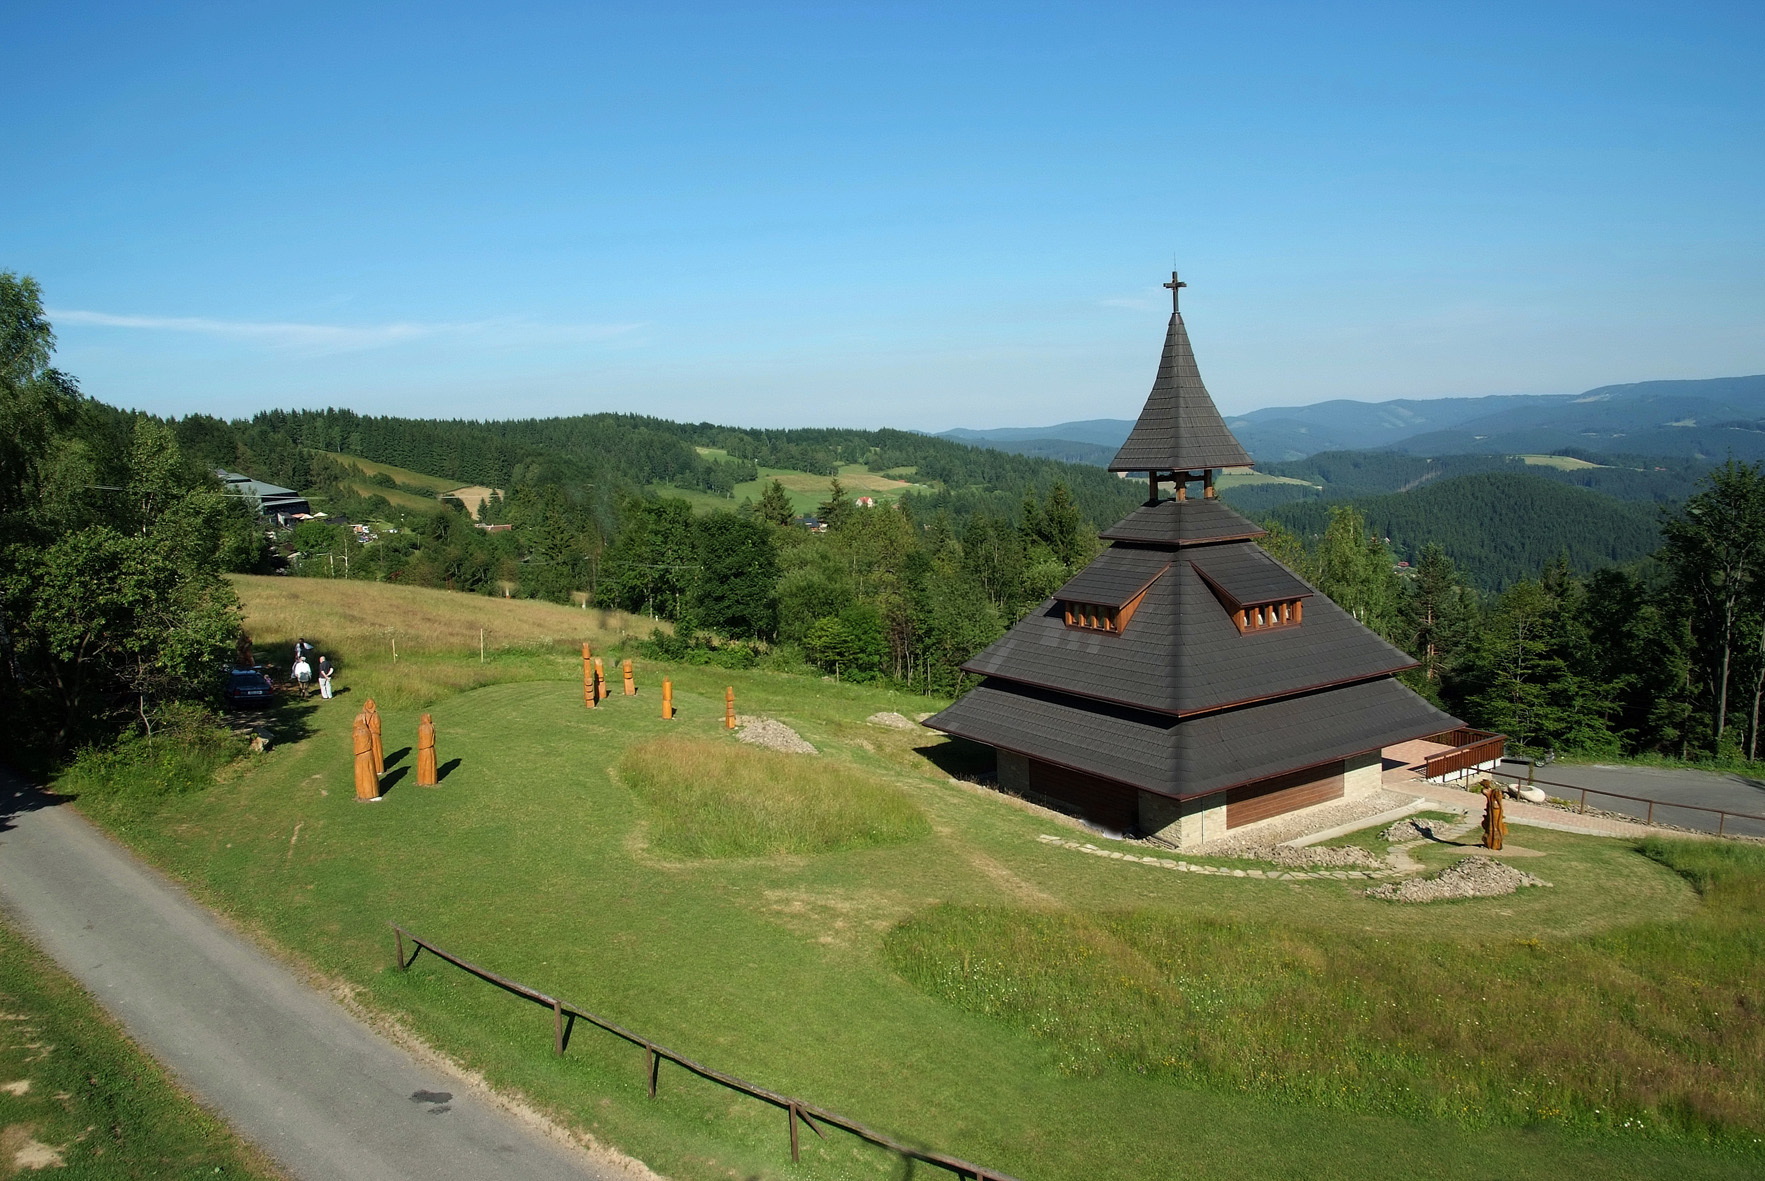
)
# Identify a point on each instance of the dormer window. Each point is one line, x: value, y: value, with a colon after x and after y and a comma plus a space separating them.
x: 1259, y: 595
x: 1095, y: 617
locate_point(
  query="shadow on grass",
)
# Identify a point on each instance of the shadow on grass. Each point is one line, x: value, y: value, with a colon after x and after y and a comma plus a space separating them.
x: 446, y: 769
x: 960, y: 759
x: 392, y: 779
x: 396, y: 755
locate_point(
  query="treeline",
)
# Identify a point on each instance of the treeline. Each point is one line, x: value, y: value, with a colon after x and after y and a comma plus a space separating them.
x: 1499, y: 527
x: 1665, y: 657
x: 114, y: 615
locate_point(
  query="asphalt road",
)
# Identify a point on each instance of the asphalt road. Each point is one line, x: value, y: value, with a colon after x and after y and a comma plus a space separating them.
x: 289, y: 1068
x: 1670, y: 785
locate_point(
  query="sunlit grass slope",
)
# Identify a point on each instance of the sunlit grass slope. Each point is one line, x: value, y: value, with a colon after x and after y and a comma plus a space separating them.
x: 850, y: 975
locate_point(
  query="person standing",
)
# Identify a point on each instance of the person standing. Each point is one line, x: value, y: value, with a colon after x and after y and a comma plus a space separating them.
x: 326, y: 671
x: 303, y: 675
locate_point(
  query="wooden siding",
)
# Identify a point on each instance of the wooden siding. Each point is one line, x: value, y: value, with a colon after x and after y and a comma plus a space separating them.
x: 1283, y: 793
x: 1115, y: 806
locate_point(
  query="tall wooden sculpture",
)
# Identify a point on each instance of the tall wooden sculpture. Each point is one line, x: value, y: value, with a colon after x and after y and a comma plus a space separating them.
x: 668, y: 699
x: 367, y: 784
x: 589, y: 696
x: 600, y: 680
x: 373, y: 716
x: 1495, y: 827
x: 630, y: 685
x: 729, y: 707
x: 426, y: 752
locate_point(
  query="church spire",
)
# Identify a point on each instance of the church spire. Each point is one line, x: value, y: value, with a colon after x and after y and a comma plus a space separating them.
x: 1180, y: 429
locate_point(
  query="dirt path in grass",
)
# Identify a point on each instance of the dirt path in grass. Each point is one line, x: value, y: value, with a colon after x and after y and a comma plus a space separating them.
x: 315, y: 1088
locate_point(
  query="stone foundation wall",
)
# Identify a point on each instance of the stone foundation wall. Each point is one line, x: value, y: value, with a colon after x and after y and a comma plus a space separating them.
x: 1362, y: 775
x: 1183, y: 823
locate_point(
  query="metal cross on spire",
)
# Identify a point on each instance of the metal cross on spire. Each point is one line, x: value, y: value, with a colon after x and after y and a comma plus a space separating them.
x: 1175, y: 285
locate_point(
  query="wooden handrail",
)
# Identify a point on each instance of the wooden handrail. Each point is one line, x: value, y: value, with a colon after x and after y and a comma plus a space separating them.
x: 565, y: 1014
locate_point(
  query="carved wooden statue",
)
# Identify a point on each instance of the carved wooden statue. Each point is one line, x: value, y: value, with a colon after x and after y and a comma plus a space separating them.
x: 373, y: 716
x: 668, y: 699
x: 426, y: 776
x: 588, y: 694
x: 630, y: 685
x: 729, y: 707
x: 600, y: 680
x: 367, y: 784
x: 1494, y: 826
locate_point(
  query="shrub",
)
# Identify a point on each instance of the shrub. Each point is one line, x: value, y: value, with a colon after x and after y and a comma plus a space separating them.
x: 187, y: 749
x: 709, y: 798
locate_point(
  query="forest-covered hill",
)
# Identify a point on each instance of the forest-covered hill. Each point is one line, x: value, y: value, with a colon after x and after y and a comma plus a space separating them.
x: 1498, y: 527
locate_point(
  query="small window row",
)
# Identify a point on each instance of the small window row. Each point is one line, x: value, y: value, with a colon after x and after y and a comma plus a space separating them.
x: 1267, y: 615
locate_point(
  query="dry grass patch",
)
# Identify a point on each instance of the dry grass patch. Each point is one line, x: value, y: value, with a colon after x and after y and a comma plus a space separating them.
x: 707, y: 798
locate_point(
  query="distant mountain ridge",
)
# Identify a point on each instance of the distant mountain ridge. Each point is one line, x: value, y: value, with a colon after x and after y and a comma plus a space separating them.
x: 1708, y: 419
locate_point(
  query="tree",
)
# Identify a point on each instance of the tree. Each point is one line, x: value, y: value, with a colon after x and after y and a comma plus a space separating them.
x: 735, y: 592
x: 1356, y: 571
x: 835, y: 510
x: 38, y: 405
x: 1714, y: 546
x: 1439, y: 613
x: 775, y: 505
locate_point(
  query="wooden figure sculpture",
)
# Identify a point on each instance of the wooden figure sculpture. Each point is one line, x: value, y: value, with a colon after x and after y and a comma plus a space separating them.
x: 1494, y: 826
x: 630, y: 685
x: 729, y: 707
x: 600, y: 680
x: 668, y: 699
x: 367, y: 784
x: 588, y: 693
x: 426, y: 752
x: 373, y: 716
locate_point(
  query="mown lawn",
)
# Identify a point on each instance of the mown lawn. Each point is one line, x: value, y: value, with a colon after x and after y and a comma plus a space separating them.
x: 818, y: 973
x: 77, y: 1095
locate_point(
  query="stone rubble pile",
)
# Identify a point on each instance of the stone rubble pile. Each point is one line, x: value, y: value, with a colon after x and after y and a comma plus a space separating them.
x: 892, y: 720
x: 1474, y: 877
x: 773, y: 735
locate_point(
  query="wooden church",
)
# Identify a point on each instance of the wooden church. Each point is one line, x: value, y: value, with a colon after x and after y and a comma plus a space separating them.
x: 1186, y: 683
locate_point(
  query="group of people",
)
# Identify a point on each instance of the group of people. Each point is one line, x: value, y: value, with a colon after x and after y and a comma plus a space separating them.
x: 307, y: 665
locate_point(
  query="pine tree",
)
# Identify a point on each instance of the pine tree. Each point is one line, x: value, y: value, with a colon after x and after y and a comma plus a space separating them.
x: 835, y: 510
x: 775, y: 505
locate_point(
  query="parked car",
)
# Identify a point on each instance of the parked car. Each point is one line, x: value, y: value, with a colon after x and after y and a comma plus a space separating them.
x: 247, y: 687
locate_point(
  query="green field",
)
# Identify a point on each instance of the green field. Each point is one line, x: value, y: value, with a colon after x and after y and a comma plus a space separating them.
x: 1563, y: 463
x: 806, y: 491
x: 1227, y: 480
x: 907, y: 952
x: 77, y: 1094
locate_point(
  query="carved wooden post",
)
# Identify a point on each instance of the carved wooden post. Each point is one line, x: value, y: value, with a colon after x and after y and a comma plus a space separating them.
x: 668, y: 699
x: 729, y: 707
x: 367, y: 785
x: 426, y: 769
x: 630, y: 685
x: 588, y: 694
x: 373, y: 716
x: 600, y: 680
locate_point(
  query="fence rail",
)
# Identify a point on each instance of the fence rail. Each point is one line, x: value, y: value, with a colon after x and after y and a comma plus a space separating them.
x: 564, y: 1016
x: 1471, y: 748
x: 1722, y: 814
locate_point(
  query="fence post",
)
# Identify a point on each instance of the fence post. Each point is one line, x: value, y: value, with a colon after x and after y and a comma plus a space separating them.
x: 792, y: 1117
x: 1651, y: 818
x: 558, y: 1029
x: 1584, y: 801
x: 399, y: 935
x: 1721, y: 822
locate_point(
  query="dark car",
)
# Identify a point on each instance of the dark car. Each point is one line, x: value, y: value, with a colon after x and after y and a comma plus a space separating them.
x: 246, y: 687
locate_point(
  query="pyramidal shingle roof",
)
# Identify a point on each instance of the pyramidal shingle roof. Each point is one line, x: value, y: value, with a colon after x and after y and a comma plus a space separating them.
x: 1179, y: 429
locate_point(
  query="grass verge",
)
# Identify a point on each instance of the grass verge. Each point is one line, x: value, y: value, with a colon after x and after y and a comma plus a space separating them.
x: 1649, y: 1027
x: 77, y: 1094
x: 706, y: 798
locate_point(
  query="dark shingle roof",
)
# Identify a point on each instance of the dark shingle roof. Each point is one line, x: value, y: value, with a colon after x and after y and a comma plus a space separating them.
x: 1247, y: 584
x: 1179, y: 429
x: 1192, y: 756
x: 1182, y: 522
x: 1117, y: 575
x: 1181, y: 653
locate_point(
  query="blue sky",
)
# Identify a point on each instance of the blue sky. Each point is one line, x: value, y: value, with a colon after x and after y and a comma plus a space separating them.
x: 906, y: 215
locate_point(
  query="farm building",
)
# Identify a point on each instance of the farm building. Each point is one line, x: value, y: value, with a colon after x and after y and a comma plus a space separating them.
x: 1185, y: 682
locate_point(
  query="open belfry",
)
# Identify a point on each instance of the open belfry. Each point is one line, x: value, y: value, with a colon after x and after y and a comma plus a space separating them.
x: 1186, y: 683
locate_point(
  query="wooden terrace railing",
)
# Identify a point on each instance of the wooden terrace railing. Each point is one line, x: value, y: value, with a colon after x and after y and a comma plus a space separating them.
x: 1470, y: 748
x: 564, y: 1017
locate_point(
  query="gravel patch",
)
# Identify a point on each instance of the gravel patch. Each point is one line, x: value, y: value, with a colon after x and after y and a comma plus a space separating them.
x: 773, y: 735
x: 1294, y: 857
x: 1474, y: 877
x: 1416, y: 828
x: 892, y: 720
x: 1292, y: 827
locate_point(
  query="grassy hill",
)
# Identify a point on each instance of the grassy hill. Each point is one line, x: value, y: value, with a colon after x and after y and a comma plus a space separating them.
x: 909, y: 952
x: 1498, y: 526
x: 806, y: 490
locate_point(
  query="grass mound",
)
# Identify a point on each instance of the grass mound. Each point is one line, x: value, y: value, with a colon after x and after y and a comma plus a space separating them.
x: 1657, y: 1027
x: 707, y: 798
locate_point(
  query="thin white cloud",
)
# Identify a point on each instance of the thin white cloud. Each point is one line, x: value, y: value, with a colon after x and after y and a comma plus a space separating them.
x: 346, y: 337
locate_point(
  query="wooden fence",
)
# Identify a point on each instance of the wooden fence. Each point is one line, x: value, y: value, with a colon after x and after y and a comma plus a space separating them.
x: 1470, y: 748
x: 1722, y: 814
x: 565, y: 1015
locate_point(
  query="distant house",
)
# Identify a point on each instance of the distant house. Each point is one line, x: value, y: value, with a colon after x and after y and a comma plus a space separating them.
x: 866, y: 502
x: 272, y: 500
x: 493, y: 528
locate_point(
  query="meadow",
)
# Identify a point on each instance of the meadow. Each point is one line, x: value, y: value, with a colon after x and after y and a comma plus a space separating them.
x: 862, y: 929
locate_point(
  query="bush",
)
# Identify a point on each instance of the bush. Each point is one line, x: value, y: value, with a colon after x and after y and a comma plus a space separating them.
x: 710, y: 798
x: 187, y: 749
